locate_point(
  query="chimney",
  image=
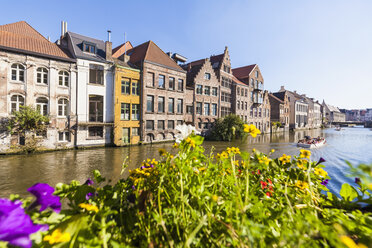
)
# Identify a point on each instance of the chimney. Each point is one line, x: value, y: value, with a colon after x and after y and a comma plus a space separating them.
x: 108, y: 46
x: 65, y: 28
x: 295, y: 92
x: 282, y: 88
x: 62, y: 29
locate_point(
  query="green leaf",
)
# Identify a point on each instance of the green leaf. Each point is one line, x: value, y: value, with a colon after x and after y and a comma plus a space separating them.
x: 348, y: 192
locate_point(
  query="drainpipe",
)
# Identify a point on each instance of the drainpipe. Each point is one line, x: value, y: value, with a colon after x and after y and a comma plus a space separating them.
x: 76, y: 112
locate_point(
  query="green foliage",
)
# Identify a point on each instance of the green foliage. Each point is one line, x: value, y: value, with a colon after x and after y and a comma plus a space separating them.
x: 27, y: 119
x: 276, y: 124
x: 227, y: 128
x: 192, y: 199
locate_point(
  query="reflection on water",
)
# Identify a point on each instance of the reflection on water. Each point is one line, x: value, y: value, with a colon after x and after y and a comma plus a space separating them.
x: 17, y: 173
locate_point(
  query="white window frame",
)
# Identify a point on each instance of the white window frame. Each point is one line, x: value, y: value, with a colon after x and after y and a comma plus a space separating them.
x: 42, y: 104
x: 64, y: 105
x: 64, y: 139
x: 44, y: 75
x: 19, y: 68
x: 17, y: 102
x: 65, y: 76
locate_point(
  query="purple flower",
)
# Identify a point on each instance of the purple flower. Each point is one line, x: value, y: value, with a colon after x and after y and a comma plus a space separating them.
x: 89, y: 182
x: 44, y: 197
x: 321, y: 160
x: 357, y: 180
x: 15, y: 225
x: 325, y: 182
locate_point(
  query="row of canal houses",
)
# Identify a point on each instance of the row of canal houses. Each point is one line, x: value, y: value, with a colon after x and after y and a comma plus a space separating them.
x: 98, y: 95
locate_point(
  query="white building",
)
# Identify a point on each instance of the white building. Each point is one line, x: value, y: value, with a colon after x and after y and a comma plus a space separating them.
x: 95, y: 89
x: 332, y: 113
x: 36, y: 72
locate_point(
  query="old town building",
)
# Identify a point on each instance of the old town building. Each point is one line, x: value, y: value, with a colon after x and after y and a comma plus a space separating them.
x: 332, y: 113
x: 278, y: 113
x: 162, y: 92
x: 202, y: 97
x: 38, y: 73
x: 95, y: 115
x: 259, y: 104
x: 241, y: 99
x: 284, y: 115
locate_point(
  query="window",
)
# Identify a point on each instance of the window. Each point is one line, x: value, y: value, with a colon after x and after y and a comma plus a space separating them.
x: 257, y: 74
x: 206, y: 109
x: 64, y: 136
x: 225, y: 111
x: 170, y: 124
x: 63, y: 78
x: 161, y: 104
x: 42, y: 76
x: 238, y: 105
x: 150, y: 104
x: 42, y: 105
x: 135, y: 112
x: 161, y: 82
x: 149, y: 125
x: 246, y: 93
x: 135, y: 131
x: 199, y: 89
x: 95, y: 108
x: 214, y: 109
x: 180, y: 84
x: 125, y: 111
x: 189, y: 109
x: 251, y: 112
x: 18, y: 72
x: 96, y: 132
x: 207, y: 90
x: 207, y: 76
x: 126, y: 135
x: 199, y: 108
x: 171, y: 105
x: 62, y: 107
x: 135, y: 88
x: 259, y: 112
x: 246, y: 106
x: 95, y: 74
x: 252, y: 82
x: 171, y: 83
x: 180, y: 106
x: 225, y: 97
x: 238, y: 91
x: 125, y: 86
x: 16, y: 101
x: 151, y: 79
x: 161, y: 124
x: 89, y: 48
x: 179, y: 123
x: 214, y: 91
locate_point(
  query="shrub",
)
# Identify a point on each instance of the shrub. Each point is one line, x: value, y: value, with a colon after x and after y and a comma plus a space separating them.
x: 227, y: 128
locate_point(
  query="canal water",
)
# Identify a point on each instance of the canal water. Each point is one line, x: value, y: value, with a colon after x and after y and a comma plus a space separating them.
x: 19, y: 172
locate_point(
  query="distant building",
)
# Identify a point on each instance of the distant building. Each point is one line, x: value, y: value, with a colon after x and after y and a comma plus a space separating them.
x: 279, y: 110
x: 38, y: 73
x: 332, y: 114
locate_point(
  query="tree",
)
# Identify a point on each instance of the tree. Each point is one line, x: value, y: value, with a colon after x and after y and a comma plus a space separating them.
x: 227, y: 128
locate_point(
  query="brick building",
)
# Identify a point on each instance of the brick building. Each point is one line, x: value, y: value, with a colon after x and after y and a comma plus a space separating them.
x: 38, y: 73
x: 279, y: 110
x: 163, y: 92
x: 202, y: 97
x: 241, y: 99
x: 284, y: 116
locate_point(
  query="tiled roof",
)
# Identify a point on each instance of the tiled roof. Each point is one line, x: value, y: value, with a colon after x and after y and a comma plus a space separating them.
x: 332, y: 108
x: 237, y: 81
x: 77, y: 41
x: 216, y: 58
x: 272, y: 96
x: 20, y: 36
x: 149, y: 51
x: 243, y: 72
x: 280, y: 95
x: 119, y: 50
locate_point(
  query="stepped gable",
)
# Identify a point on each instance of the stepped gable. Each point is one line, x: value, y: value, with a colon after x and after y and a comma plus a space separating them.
x: 243, y: 72
x: 120, y: 50
x: 192, y: 69
x: 21, y: 37
x: 150, y: 52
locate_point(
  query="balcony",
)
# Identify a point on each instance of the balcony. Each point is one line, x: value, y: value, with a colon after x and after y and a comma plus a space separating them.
x: 257, y: 100
x: 258, y: 86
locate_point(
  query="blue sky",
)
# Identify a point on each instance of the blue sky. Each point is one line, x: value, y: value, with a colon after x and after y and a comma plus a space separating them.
x: 322, y: 48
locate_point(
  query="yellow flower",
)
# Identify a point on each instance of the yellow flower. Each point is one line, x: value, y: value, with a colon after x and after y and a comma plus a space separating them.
x: 162, y: 152
x: 302, y: 185
x: 264, y: 160
x: 175, y: 145
x: 350, y: 243
x: 272, y: 150
x: 370, y: 186
x: 202, y: 169
x: 57, y: 237
x: 253, y: 150
x: 190, y: 142
x: 234, y: 150
x: 88, y: 207
x: 285, y: 159
x: 215, y: 198
x: 301, y: 164
x: 305, y: 153
x: 320, y: 172
x: 252, y: 130
x: 224, y: 155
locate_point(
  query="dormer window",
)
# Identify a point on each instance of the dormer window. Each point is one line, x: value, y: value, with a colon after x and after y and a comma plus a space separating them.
x: 89, y: 48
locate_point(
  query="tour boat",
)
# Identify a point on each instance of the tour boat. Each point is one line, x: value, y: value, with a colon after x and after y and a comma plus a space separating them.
x: 311, y: 143
x: 338, y: 128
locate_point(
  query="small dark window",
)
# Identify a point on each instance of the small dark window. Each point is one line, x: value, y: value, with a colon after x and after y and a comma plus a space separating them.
x: 95, y: 74
x: 95, y: 132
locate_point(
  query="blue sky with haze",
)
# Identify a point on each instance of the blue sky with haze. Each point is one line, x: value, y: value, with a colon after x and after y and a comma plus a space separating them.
x: 322, y: 48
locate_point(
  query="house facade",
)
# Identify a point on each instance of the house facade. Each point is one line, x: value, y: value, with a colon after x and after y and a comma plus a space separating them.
x: 284, y: 115
x: 95, y: 70
x: 38, y: 73
x: 332, y: 114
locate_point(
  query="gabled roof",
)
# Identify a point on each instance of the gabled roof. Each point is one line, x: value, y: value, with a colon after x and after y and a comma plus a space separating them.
x: 21, y: 37
x: 273, y: 97
x: 280, y: 95
x: 193, y: 69
x: 332, y: 108
x: 217, y: 58
x: 120, y: 50
x: 150, y: 52
x: 243, y: 72
x: 78, y: 40
x: 237, y: 81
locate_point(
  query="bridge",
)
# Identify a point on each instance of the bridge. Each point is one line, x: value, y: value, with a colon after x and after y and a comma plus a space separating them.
x: 366, y: 124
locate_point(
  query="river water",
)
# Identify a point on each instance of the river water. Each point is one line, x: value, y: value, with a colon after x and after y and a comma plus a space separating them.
x: 19, y: 172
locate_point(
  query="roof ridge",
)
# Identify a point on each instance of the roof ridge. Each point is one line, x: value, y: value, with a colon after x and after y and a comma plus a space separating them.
x: 86, y: 36
x: 174, y: 62
x: 244, y: 66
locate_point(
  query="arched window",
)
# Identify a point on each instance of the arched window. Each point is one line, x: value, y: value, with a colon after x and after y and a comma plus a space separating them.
x: 62, y: 107
x: 238, y: 104
x: 42, y: 105
x: 18, y: 72
x: 16, y: 101
x: 42, y: 76
x: 64, y: 78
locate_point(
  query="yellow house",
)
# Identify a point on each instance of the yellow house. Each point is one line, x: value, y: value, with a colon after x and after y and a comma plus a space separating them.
x: 127, y: 104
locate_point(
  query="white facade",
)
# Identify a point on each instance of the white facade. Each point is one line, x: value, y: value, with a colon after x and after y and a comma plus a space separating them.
x: 301, y: 112
x: 39, y: 82
x: 317, y: 120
